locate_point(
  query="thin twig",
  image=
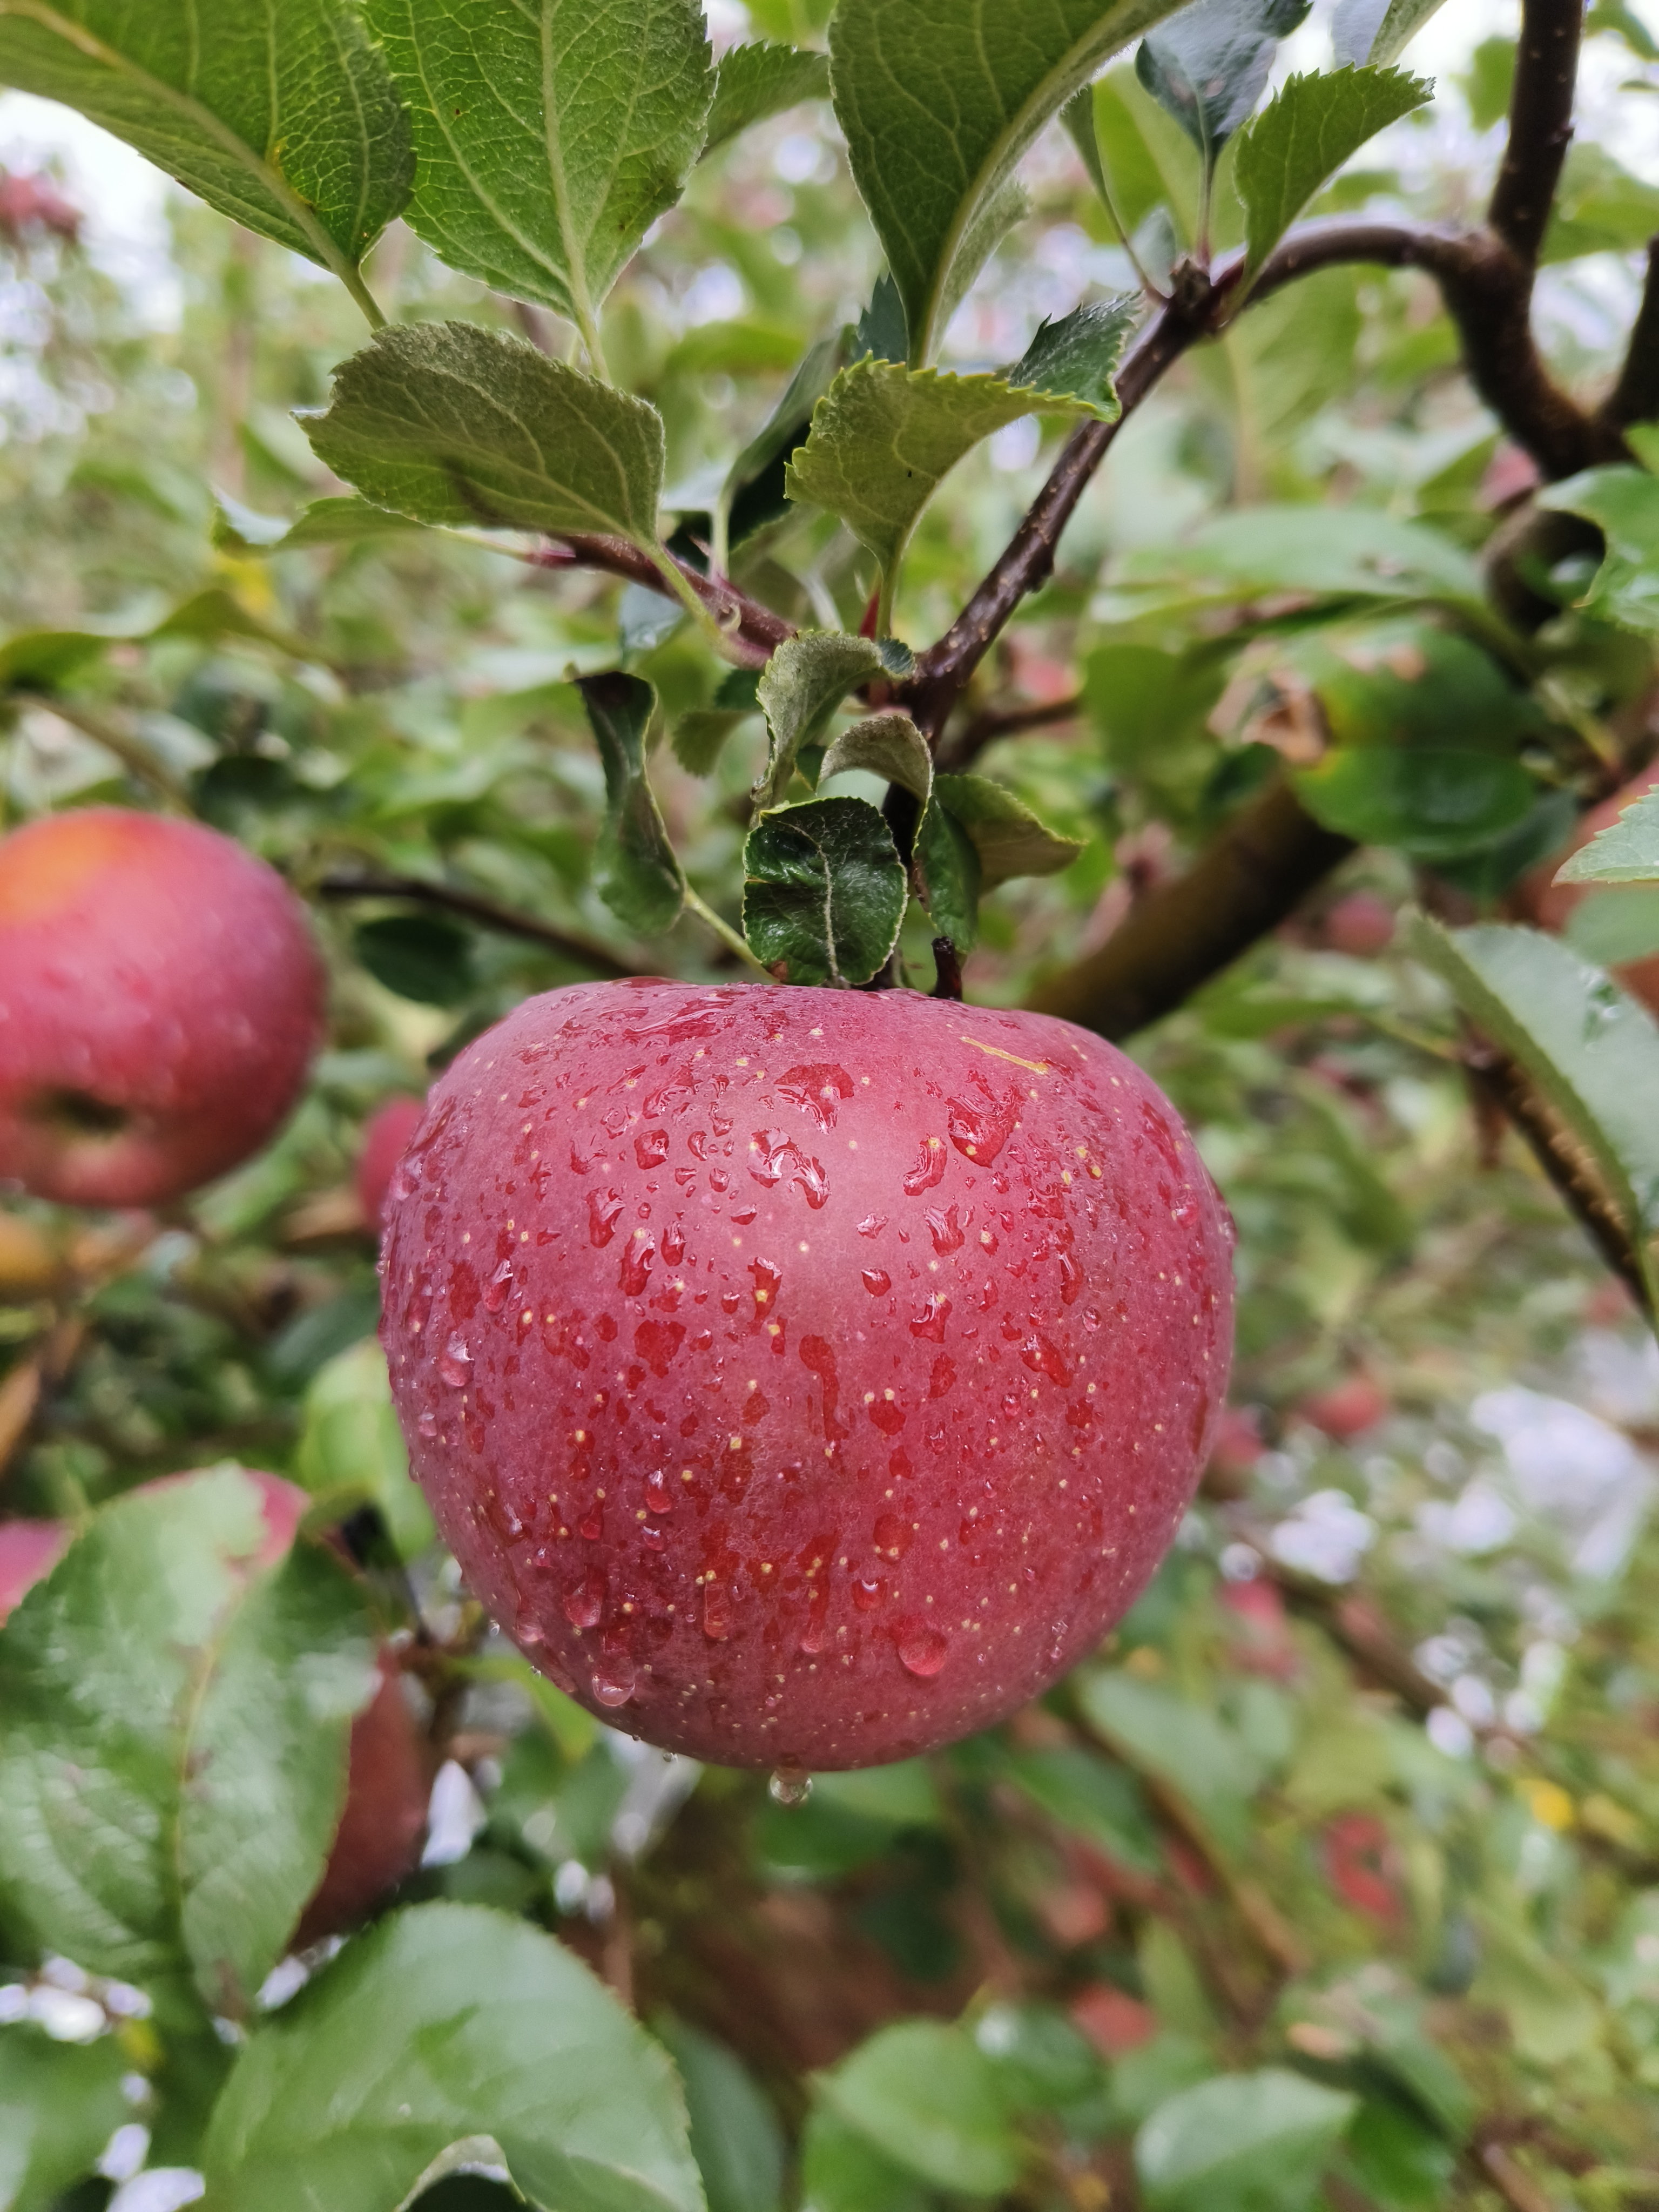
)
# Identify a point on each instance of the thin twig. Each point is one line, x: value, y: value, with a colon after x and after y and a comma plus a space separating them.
x: 753, y: 632
x: 1541, y: 123
x: 957, y: 753
x: 583, y: 952
x: 1634, y: 397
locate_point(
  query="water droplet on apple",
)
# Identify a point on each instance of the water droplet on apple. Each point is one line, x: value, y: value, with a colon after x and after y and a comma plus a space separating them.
x: 1071, y: 1279
x: 653, y: 1539
x: 455, y: 1364
x: 716, y: 1614
x: 651, y: 1148
x: 789, y: 1787
x: 659, y: 1492
x: 673, y: 1244
x: 427, y: 1424
x: 922, y: 1651
x: 495, y: 1289
x: 613, y: 1680
x: 868, y: 1593
x: 877, y: 1282
x: 872, y: 1224
x: 584, y: 1602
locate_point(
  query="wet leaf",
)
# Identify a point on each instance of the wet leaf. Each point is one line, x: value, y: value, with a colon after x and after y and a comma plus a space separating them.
x: 636, y: 869
x: 450, y: 2025
x: 823, y: 892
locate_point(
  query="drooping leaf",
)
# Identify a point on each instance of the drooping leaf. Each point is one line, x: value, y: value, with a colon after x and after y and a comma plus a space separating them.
x: 60, y: 2104
x: 278, y: 112
x: 886, y: 744
x: 823, y: 892
x: 800, y: 689
x: 1378, y: 31
x: 1008, y: 837
x: 1626, y: 851
x: 450, y: 2024
x: 549, y: 135
x: 1242, y: 2142
x: 450, y: 423
x: 753, y: 82
x: 1075, y: 359
x: 172, y: 1757
x: 1591, y: 1049
x: 926, y: 2097
x: 1311, y: 126
x: 1433, y: 802
x: 635, y: 870
x: 1206, y: 65
x: 947, y: 861
x: 930, y: 163
x: 753, y: 494
x: 883, y: 437
x: 1623, y: 502
x: 351, y: 1448
x: 735, y: 2137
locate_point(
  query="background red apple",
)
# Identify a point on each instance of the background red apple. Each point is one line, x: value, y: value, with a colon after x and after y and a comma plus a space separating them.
x: 1548, y: 904
x: 161, y: 999
x: 1347, y: 1409
x: 803, y: 1376
x: 389, y: 1772
x: 385, y: 1133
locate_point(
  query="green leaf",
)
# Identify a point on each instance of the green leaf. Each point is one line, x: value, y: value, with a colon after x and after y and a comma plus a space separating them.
x: 60, y: 2104
x: 1207, y: 65
x: 1092, y: 1797
x: 842, y: 2171
x: 1242, y: 2142
x: 952, y: 879
x: 351, y: 1448
x: 239, y: 529
x: 1626, y: 851
x: 735, y: 2137
x: 823, y: 892
x: 1591, y: 1049
x: 278, y: 112
x: 1599, y: 207
x: 1007, y: 836
x: 1161, y: 1733
x: 1327, y: 552
x: 887, y: 745
x: 453, y: 424
x: 1623, y: 503
x: 883, y: 437
x: 753, y: 495
x: 1311, y: 126
x: 1378, y: 31
x: 549, y: 135
x: 1611, y: 928
x: 926, y: 2095
x: 445, y: 2025
x: 635, y: 870
x: 172, y: 1758
x: 881, y: 330
x: 753, y: 82
x: 1433, y: 802
x: 1075, y: 359
x: 939, y: 99
x: 800, y: 689
x: 424, y: 957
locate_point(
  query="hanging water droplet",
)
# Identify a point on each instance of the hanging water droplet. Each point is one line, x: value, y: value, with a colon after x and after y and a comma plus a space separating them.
x: 584, y: 1602
x: 455, y: 1363
x: 613, y: 1680
x: 789, y: 1787
x: 922, y: 1651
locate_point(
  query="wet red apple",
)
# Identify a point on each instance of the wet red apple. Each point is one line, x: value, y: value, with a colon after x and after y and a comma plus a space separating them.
x: 387, y: 1132
x: 1542, y: 901
x: 388, y: 1774
x: 161, y: 999
x: 803, y: 1378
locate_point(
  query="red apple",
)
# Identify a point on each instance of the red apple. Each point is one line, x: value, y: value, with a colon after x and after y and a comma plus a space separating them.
x: 1548, y: 904
x: 388, y: 1774
x: 161, y: 999
x: 385, y: 1133
x: 803, y: 1378
x: 1347, y: 1409
x: 1360, y: 925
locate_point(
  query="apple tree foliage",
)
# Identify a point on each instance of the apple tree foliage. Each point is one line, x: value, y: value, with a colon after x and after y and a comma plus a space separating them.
x: 613, y: 500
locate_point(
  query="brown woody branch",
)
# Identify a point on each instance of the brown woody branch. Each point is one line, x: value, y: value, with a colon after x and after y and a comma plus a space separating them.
x: 1634, y: 397
x: 755, y: 631
x: 1540, y: 124
x: 581, y: 951
x: 955, y: 753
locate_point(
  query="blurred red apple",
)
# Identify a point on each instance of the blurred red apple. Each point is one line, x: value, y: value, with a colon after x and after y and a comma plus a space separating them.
x: 386, y: 1135
x: 388, y: 1774
x: 161, y: 999
x: 803, y: 1378
x: 1347, y: 1409
x: 1545, y: 903
x: 1360, y: 925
